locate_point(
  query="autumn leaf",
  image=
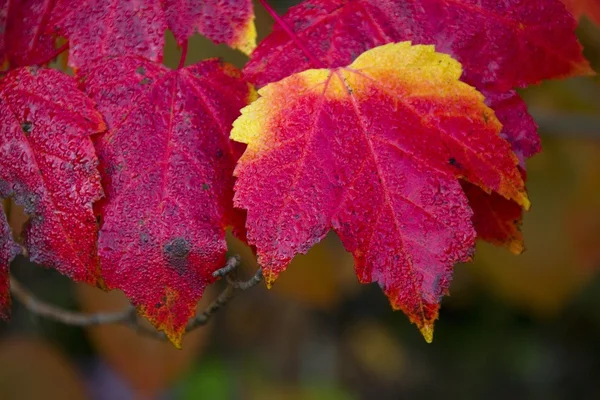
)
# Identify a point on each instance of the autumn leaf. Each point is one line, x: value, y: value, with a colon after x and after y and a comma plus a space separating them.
x: 99, y: 28
x: 222, y: 21
x: 48, y: 165
x: 373, y: 151
x: 167, y: 166
x: 23, y: 41
x: 589, y: 8
x: 8, y: 251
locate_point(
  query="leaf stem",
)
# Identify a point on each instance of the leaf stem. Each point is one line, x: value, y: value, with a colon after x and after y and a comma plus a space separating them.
x: 184, y: 50
x: 57, y: 53
x: 314, y: 61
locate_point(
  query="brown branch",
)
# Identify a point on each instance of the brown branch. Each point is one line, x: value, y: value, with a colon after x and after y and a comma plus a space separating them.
x: 128, y: 316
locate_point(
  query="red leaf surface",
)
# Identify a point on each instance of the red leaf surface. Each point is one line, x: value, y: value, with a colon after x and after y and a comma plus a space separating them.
x: 589, y: 8
x: 48, y: 165
x: 167, y: 165
x: 222, y: 21
x: 8, y: 251
x: 99, y: 28
x: 501, y: 44
x: 24, y: 36
x: 373, y: 151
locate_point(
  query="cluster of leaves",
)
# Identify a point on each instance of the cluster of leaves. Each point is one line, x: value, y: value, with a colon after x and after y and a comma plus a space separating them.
x: 395, y: 123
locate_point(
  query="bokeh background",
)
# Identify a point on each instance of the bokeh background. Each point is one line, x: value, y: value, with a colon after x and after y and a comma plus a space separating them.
x: 519, y: 327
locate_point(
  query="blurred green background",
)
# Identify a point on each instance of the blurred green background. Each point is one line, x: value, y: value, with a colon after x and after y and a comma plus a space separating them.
x: 519, y: 327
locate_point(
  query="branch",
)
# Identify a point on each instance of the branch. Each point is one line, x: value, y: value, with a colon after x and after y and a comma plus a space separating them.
x: 128, y: 316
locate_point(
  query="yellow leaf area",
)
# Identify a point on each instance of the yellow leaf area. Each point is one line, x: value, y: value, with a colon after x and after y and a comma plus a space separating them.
x: 404, y: 70
x: 408, y: 98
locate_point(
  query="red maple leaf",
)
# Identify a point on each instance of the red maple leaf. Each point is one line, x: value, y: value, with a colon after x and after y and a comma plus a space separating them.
x: 48, y: 165
x: 8, y: 250
x: 374, y: 151
x: 99, y: 28
x: 167, y: 164
x: 24, y: 40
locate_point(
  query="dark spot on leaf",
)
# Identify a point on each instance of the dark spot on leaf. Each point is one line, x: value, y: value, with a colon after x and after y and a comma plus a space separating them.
x: 219, y: 153
x: 176, y: 252
x: 145, y: 81
x: 452, y: 161
x: 26, y: 126
x: 141, y: 70
x: 205, y: 186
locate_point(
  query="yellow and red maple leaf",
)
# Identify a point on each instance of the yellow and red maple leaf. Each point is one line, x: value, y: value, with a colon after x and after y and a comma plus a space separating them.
x: 374, y: 151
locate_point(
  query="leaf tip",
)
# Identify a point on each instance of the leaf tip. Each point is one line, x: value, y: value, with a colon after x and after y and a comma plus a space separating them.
x: 270, y: 278
x: 175, y: 338
x: 427, y: 332
x: 524, y: 201
x: 516, y: 246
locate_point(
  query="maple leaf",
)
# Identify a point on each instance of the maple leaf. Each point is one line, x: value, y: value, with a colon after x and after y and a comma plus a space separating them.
x: 374, y: 151
x: 167, y: 165
x: 8, y: 250
x: 48, y: 165
x: 99, y: 28
x: 589, y: 8
x: 24, y: 40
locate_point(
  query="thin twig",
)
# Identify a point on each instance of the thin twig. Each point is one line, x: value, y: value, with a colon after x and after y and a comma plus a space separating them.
x: 43, y: 309
x: 230, y: 266
x: 128, y: 316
